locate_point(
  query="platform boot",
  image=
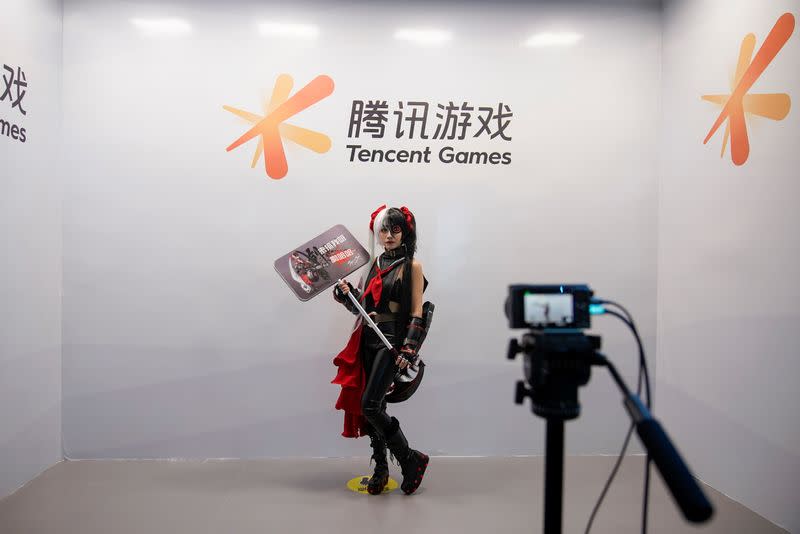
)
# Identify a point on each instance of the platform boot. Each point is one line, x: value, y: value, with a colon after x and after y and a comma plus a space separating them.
x: 412, y: 463
x: 380, y: 477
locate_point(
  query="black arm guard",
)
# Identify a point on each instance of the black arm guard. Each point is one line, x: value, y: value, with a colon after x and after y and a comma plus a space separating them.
x: 415, y: 335
x: 343, y: 299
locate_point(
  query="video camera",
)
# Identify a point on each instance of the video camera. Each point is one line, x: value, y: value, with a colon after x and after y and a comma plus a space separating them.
x: 565, y: 306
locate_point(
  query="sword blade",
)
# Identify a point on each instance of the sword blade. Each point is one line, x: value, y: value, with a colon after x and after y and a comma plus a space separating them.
x: 369, y: 320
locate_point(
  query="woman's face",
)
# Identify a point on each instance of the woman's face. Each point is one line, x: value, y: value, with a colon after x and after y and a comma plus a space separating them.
x: 391, y: 237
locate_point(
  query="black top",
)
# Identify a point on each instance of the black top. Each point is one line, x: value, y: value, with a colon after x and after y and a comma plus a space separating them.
x: 396, y: 288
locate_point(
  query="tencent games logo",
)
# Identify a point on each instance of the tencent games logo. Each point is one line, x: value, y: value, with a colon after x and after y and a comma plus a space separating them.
x: 272, y: 128
x: 773, y: 106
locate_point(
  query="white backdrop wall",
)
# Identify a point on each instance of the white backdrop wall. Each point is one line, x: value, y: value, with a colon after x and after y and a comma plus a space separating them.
x: 728, y: 263
x: 179, y: 338
x: 30, y: 240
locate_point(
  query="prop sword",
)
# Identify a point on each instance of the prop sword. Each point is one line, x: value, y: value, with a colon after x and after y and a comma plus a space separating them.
x: 372, y: 325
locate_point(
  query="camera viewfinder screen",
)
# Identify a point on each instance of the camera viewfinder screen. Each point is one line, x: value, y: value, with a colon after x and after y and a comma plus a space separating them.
x: 543, y: 309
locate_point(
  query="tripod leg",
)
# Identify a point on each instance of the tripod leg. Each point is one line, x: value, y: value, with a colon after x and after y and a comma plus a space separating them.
x: 553, y: 475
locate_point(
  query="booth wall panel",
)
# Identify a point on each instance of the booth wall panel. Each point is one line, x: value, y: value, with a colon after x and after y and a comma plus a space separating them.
x: 30, y: 240
x: 729, y: 256
x: 179, y: 338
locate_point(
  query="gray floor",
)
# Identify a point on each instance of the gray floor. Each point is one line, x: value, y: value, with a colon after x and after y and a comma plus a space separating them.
x: 463, y: 495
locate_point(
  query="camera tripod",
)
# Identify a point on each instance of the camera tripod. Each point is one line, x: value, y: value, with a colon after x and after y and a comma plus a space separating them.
x: 556, y: 363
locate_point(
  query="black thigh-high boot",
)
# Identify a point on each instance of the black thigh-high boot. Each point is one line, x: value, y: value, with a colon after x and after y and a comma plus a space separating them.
x: 380, y: 478
x: 380, y: 369
x: 412, y: 463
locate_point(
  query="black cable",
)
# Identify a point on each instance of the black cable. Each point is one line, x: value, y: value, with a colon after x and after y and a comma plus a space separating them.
x: 642, y: 363
x: 628, y: 320
x: 610, y: 479
x: 627, y: 437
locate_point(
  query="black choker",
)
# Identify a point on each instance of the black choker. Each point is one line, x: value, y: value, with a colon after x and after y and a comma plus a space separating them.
x: 398, y: 252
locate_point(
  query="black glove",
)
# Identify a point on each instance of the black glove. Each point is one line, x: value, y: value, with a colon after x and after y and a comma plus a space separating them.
x: 409, y: 354
x: 340, y: 297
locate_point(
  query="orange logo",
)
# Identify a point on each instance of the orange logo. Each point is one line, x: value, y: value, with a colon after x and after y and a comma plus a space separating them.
x: 272, y: 128
x: 773, y: 106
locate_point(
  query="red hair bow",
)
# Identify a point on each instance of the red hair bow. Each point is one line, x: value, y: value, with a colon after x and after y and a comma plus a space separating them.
x: 409, y: 216
x: 375, y: 214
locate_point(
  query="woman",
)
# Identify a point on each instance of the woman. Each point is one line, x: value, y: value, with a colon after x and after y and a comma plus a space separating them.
x: 393, y: 298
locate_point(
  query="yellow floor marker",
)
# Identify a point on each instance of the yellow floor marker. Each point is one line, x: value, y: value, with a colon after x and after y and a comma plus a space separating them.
x: 359, y: 485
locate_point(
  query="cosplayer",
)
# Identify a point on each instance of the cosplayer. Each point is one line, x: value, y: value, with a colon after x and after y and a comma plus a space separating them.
x: 392, y: 295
